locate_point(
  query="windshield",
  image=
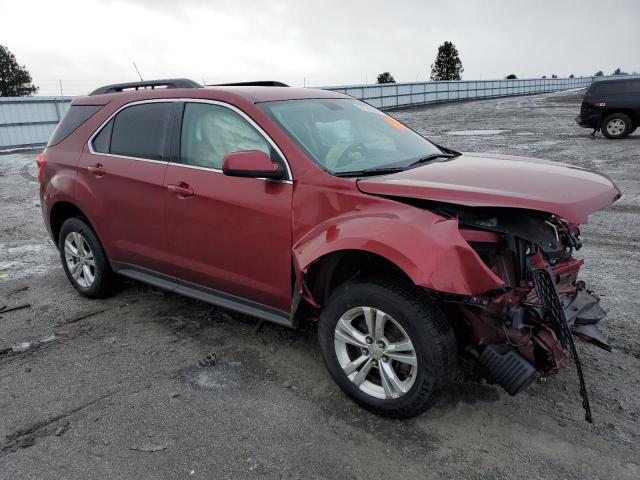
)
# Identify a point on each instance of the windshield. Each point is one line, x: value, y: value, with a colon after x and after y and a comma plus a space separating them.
x: 346, y: 135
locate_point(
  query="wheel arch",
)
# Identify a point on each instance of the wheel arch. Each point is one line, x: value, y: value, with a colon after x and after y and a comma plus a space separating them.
x: 337, y: 267
x: 629, y: 112
x: 432, y: 255
x: 62, y: 211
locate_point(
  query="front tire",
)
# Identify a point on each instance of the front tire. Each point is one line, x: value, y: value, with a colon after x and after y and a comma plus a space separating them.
x: 387, y: 346
x: 615, y: 126
x: 83, y: 259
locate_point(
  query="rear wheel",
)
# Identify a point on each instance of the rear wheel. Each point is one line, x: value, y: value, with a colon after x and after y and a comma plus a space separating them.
x: 617, y: 125
x: 84, y: 260
x: 387, y: 346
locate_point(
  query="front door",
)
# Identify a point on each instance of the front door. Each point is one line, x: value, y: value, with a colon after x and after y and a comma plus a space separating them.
x: 228, y: 234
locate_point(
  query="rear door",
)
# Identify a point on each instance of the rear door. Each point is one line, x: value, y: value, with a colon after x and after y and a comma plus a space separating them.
x: 120, y: 183
x: 229, y: 235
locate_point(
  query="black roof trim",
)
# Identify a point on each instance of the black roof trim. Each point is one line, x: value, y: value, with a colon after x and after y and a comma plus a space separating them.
x: 148, y: 84
x: 258, y: 83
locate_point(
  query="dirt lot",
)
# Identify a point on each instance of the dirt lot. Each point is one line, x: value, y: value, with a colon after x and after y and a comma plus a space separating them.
x: 117, y: 388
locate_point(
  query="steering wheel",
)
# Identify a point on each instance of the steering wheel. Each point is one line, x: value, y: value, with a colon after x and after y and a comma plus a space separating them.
x: 354, y: 147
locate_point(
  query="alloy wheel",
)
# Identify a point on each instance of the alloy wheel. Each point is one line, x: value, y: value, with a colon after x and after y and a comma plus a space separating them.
x: 80, y: 260
x: 616, y: 127
x: 375, y: 352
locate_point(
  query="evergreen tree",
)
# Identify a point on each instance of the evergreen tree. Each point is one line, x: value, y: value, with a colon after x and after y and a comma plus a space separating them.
x: 447, y: 65
x: 512, y: 76
x: 386, y: 77
x: 599, y: 73
x: 15, y: 80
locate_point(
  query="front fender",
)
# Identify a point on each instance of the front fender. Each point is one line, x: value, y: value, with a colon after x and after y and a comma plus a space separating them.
x: 427, y: 247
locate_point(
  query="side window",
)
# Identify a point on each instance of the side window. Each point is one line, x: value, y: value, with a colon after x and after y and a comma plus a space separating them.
x: 75, y: 116
x: 612, y: 88
x: 209, y: 132
x: 102, y: 141
x: 635, y: 86
x: 141, y: 130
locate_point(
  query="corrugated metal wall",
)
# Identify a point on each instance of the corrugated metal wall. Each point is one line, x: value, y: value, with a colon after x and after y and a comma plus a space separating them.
x: 29, y: 121
x: 399, y: 95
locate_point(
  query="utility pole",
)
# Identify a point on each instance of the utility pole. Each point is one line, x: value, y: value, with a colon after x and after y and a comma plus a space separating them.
x: 61, y: 94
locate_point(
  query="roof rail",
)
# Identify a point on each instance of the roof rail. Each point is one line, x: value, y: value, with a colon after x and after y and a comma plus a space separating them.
x: 259, y: 83
x: 149, y: 84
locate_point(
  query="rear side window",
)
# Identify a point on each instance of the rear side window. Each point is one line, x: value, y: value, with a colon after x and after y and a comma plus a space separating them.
x: 613, y: 87
x: 140, y: 131
x: 635, y: 86
x: 75, y: 116
x: 102, y: 141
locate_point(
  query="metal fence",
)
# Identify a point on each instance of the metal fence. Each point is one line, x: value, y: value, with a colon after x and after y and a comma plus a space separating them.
x: 29, y: 121
x: 400, y: 95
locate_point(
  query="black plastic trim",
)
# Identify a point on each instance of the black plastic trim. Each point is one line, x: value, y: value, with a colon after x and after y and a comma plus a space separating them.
x: 149, y: 84
x: 205, y: 294
x: 258, y: 83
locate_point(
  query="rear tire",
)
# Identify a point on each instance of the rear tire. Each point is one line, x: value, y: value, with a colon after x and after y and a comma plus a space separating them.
x: 394, y: 370
x: 84, y: 261
x: 615, y: 126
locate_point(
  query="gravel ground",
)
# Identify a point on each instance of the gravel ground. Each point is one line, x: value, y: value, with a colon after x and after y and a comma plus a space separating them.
x: 119, y: 389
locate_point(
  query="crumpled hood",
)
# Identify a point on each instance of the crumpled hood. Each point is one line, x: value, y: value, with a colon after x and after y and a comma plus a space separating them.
x: 493, y: 180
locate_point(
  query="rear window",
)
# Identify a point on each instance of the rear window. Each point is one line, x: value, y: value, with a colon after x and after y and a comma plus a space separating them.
x: 75, y: 116
x: 139, y: 131
x: 611, y: 87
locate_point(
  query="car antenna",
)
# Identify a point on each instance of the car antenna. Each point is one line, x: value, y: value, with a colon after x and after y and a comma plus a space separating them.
x: 137, y: 71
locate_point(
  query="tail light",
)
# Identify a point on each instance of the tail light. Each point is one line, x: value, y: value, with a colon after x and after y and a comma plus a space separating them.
x: 42, y: 163
x: 599, y: 104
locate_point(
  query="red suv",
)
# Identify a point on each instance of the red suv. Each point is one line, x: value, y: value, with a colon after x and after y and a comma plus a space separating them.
x: 287, y: 203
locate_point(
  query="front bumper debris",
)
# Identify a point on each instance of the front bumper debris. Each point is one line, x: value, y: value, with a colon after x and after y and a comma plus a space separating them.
x: 554, y: 315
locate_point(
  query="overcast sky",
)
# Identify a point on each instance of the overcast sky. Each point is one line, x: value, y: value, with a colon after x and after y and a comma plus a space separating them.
x: 87, y: 43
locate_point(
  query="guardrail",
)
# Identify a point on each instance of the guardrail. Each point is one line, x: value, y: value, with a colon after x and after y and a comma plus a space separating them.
x: 29, y: 121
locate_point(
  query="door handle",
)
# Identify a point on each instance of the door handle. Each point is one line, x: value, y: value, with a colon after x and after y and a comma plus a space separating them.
x: 182, y: 189
x: 97, y: 169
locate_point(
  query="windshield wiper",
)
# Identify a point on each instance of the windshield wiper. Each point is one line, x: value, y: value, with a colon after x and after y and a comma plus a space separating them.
x: 369, y: 171
x: 431, y: 157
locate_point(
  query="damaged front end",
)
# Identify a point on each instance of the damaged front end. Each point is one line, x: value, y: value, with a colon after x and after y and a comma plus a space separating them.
x: 525, y: 328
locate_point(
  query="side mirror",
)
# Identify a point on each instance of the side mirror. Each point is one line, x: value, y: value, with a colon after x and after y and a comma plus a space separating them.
x: 251, y: 163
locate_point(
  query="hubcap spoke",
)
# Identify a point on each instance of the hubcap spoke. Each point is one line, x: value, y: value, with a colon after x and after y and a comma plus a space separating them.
x: 381, y: 320
x: 353, y: 366
x: 393, y: 386
x: 407, y: 358
x: 403, y: 346
x: 70, y: 249
x: 350, y: 334
x: 369, y: 318
x: 76, y: 270
x: 364, y: 371
x: 88, y: 276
